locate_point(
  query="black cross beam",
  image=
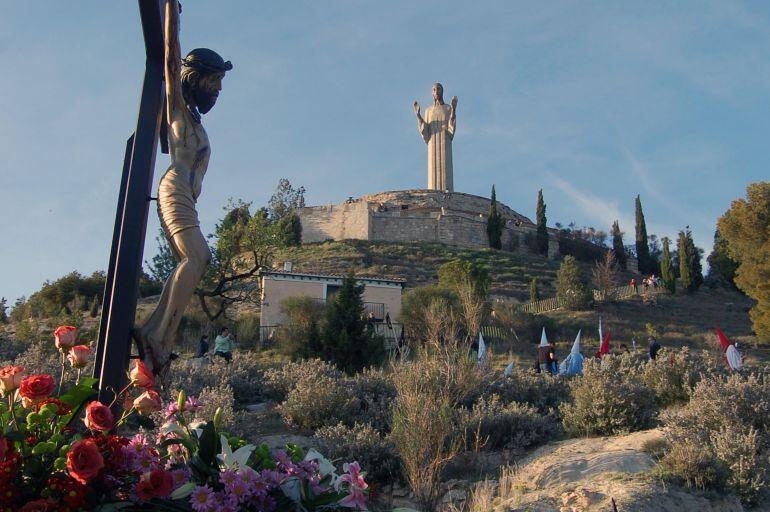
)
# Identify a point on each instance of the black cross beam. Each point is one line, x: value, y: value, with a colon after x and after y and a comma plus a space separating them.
x: 113, y: 348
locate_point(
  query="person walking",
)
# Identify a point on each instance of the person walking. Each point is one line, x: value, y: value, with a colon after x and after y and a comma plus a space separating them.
x: 654, y: 348
x: 223, y: 345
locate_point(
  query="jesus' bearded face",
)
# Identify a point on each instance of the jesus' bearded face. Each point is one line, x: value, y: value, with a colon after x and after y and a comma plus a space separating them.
x: 438, y: 93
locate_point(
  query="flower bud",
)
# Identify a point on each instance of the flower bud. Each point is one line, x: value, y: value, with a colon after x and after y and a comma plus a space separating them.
x: 217, y: 418
x: 181, y: 400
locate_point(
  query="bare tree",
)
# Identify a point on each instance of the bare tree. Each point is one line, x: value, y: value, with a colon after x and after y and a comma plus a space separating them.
x: 605, y: 275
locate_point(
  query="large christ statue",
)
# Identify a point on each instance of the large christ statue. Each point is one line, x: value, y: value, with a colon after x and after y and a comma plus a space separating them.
x: 192, y: 89
x: 438, y: 130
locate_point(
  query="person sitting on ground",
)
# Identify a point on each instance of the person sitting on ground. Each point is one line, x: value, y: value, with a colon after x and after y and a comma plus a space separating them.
x: 654, y: 348
x: 223, y: 345
x: 203, y: 346
x: 553, y: 362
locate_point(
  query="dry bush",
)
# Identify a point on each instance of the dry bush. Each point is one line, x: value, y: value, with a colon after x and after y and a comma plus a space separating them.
x: 608, y: 400
x: 375, y: 392
x: 605, y: 275
x: 424, y: 424
x: 278, y: 382
x: 729, y: 418
x: 693, y: 466
x: 322, y: 401
x: 376, y: 455
x: 217, y: 398
x: 674, y: 374
x: 496, y: 425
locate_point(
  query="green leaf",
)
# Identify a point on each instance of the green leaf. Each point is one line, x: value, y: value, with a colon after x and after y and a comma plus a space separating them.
x: 76, y: 395
x: 208, y: 445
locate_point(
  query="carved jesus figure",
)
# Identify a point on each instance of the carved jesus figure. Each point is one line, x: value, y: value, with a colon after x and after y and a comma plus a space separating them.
x: 438, y: 130
x: 192, y: 89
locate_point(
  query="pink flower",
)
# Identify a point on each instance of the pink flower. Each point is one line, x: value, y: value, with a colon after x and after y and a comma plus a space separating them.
x: 192, y: 404
x: 84, y: 461
x: 148, y: 402
x: 99, y: 417
x: 78, y: 355
x: 10, y: 378
x: 171, y: 409
x: 353, y: 476
x: 356, y: 499
x: 65, y: 336
x: 141, y: 376
x: 36, y: 388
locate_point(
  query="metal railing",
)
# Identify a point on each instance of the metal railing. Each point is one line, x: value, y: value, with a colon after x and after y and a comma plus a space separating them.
x: 617, y: 293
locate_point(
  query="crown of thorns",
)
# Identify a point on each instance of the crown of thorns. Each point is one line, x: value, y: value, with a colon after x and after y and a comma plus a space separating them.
x: 206, y: 61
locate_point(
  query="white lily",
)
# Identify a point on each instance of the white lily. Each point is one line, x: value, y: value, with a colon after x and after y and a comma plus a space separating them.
x: 324, y: 466
x: 173, y: 426
x: 234, y: 460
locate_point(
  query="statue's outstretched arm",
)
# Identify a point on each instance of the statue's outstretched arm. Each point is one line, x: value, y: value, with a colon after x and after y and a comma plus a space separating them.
x: 452, y: 123
x: 175, y: 101
x: 422, y: 126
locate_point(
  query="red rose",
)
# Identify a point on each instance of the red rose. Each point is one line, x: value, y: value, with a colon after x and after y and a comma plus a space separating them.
x: 155, y: 484
x: 78, y: 355
x: 10, y: 378
x: 141, y: 376
x: 99, y: 417
x: 148, y: 402
x: 84, y: 461
x: 3, y: 447
x: 65, y: 336
x: 41, y: 505
x: 37, y: 388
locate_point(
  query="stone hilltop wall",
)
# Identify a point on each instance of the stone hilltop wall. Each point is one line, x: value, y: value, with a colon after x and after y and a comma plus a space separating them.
x: 451, y: 218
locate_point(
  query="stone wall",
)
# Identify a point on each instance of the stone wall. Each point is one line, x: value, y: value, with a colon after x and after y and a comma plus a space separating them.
x: 454, y: 218
x: 336, y: 222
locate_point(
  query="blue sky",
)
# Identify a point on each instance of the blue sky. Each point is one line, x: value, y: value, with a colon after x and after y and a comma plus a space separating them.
x: 594, y: 102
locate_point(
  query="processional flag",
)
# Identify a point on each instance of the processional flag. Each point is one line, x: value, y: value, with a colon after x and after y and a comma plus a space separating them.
x: 604, y: 349
x: 482, y: 351
x: 729, y: 352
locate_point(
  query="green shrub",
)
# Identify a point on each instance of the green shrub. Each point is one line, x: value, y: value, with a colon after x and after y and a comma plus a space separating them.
x: 247, y: 327
x: 376, y: 455
x: 729, y: 418
x: 415, y: 306
x: 299, y: 335
x: 541, y: 391
x: 673, y: 375
x: 496, y: 425
x: 608, y: 400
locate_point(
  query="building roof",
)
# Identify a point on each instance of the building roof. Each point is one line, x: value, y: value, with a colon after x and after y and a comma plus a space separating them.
x: 303, y: 275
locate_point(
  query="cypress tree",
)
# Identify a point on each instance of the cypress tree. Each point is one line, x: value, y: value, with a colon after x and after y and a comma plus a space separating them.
x: 617, y: 245
x: 494, y: 224
x: 721, y: 266
x: 346, y: 340
x: 542, y: 230
x: 667, y: 268
x: 642, y: 247
x: 94, y: 310
x: 571, y: 289
x: 685, y: 262
x: 696, y: 269
x: 3, y: 309
x: 534, y: 295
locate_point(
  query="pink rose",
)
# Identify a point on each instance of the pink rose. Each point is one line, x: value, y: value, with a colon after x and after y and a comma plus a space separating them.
x: 157, y: 483
x: 84, y: 461
x: 65, y: 336
x: 148, y: 402
x: 78, y: 355
x: 36, y: 388
x: 141, y: 376
x: 99, y: 417
x: 10, y: 378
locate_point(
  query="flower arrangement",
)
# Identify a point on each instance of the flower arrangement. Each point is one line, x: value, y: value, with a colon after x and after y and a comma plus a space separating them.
x: 51, y: 461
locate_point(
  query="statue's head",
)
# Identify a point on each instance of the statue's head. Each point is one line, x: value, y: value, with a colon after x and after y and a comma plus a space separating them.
x: 438, y: 93
x: 202, y: 74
